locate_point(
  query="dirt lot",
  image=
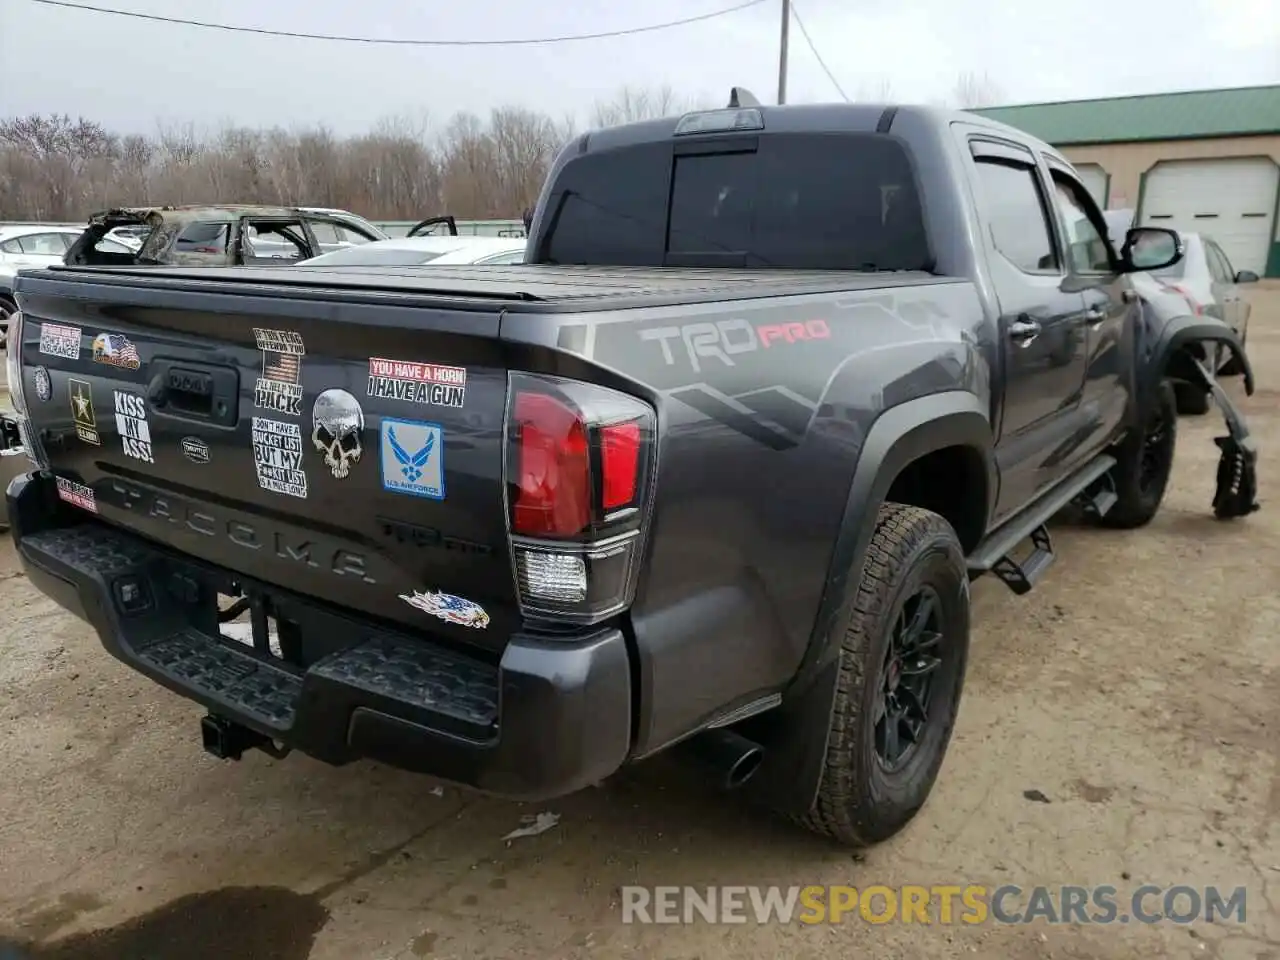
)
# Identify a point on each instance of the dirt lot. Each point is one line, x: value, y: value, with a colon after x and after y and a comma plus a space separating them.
x: 1137, y: 690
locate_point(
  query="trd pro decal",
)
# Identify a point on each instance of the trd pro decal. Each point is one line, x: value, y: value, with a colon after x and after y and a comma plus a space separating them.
x: 337, y: 428
x: 57, y: 340
x: 81, y: 395
x: 279, y: 389
x: 115, y: 350
x: 277, y: 457
x: 424, y: 383
x: 722, y: 339
x: 412, y: 455
x: 76, y: 494
x: 450, y: 609
x: 131, y: 425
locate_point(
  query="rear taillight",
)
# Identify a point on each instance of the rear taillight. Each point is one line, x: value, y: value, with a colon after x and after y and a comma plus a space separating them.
x: 579, y: 476
x: 18, y: 393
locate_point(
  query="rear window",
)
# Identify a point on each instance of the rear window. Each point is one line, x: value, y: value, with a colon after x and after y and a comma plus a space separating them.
x: 805, y: 202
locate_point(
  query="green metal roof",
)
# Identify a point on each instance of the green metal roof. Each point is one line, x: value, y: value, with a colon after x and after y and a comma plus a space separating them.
x: 1242, y: 111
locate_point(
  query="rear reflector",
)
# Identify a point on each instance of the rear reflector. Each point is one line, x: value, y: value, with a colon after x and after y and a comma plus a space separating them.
x: 619, y: 462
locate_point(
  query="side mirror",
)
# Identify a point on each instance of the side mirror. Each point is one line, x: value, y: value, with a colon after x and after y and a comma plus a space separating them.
x: 1151, y: 248
x: 1246, y: 276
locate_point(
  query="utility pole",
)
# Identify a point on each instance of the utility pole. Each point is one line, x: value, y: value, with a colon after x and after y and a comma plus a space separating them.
x: 782, y: 52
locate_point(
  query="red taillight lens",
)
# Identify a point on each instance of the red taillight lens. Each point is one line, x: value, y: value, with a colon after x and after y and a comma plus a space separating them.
x: 620, y: 463
x: 552, y: 472
x: 579, y: 467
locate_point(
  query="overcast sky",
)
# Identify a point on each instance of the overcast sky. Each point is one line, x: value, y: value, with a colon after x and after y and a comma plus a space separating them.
x: 132, y: 74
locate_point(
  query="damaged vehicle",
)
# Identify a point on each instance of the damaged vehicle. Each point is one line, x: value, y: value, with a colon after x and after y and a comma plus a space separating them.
x: 219, y: 235
x: 710, y: 474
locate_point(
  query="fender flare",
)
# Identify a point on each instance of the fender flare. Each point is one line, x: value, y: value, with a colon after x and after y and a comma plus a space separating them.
x: 794, y: 736
x: 1180, y: 331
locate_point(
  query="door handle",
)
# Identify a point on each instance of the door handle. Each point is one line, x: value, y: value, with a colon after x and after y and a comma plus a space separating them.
x: 1023, y: 331
x: 1095, y: 315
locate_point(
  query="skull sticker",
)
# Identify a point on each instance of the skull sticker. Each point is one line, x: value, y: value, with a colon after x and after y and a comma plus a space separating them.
x: 337, y: 426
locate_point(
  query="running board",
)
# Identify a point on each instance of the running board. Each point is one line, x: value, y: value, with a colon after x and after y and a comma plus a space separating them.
x: 1090, y: 488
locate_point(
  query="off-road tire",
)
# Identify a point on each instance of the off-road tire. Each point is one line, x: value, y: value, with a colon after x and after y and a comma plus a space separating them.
x: 1138, y: 501
x: 1192, y: 401
x: 859, y: 803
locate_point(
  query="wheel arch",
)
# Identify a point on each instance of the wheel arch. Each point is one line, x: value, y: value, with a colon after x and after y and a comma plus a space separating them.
x: 1168, y: 351
x: 904, y: 443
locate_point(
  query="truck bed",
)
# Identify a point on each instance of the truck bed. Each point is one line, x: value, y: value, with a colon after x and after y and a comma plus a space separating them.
x: 540, y: 287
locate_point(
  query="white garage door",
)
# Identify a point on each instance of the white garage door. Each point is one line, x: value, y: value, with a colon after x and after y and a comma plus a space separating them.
x: 1095, y: 181
x: 1232, y: 200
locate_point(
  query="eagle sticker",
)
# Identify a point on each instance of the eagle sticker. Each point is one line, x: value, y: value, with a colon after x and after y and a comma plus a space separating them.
x: 456, y: 610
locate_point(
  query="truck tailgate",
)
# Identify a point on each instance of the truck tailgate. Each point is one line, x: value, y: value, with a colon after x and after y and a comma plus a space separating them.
x: 352, y: 452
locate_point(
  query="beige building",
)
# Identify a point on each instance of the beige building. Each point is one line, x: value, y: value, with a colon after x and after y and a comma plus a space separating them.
x: 1202, y: 162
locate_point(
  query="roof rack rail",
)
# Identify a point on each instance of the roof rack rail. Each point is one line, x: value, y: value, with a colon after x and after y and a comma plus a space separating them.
x: 742, y: 97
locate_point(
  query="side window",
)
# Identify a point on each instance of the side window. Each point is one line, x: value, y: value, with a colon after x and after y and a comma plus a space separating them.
x: 1088, y: 249
x: 11, y: 246
x: 1015, y: 210
x: 275, y: 240
x: 351, y: 235
x: 325, y: 232
x: 44, y: 244
x: 204, y: 236
x: 1219, y: 265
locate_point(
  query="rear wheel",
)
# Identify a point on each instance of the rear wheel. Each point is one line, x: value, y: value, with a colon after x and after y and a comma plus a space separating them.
x: 1144, y: 462
x: 902, y: 666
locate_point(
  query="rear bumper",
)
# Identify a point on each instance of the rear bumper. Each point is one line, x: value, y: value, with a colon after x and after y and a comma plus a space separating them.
x: 547, y: 720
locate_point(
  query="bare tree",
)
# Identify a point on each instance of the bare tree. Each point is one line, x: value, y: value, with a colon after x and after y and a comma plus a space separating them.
x: 973, y: 91
x: 630, y: 104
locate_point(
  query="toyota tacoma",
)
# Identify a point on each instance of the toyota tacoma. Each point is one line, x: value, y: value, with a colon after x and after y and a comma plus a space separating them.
x: 712, y: 473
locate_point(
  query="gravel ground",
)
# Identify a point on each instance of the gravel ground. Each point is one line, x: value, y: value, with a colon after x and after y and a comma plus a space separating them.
x: 1121, y: 725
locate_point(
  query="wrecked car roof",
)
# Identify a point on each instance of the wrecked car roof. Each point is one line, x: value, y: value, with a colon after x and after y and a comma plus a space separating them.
x: 187, y: 212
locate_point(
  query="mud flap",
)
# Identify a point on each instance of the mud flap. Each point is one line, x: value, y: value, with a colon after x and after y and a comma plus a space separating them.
x: 1237, y: 485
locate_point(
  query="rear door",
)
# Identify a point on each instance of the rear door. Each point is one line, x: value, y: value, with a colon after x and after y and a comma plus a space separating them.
x: 348, y: 451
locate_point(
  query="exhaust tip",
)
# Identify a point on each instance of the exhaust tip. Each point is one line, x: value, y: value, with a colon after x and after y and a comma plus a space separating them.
x: 744, y: 769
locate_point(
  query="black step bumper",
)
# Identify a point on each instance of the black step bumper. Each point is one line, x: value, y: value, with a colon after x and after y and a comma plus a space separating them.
x: 548, y: 719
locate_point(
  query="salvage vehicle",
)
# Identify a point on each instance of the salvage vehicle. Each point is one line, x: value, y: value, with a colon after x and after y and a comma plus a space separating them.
x: 710, y: 474
x: 221, y: 235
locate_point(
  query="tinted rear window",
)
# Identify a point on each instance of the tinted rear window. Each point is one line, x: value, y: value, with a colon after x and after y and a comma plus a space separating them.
x: 811, y: 201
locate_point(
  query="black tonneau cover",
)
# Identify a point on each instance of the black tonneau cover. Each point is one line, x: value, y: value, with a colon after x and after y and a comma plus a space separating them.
x: 508, y: 284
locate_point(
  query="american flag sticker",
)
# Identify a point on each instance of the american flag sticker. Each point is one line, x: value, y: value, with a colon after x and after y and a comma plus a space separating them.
x: 279, y: 389
x: 116, y: 350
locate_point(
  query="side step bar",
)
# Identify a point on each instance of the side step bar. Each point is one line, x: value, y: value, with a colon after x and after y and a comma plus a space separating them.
x: 1091, y: 488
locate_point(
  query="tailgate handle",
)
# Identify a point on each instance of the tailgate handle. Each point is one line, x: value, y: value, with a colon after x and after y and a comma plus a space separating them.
x: 195, y: 391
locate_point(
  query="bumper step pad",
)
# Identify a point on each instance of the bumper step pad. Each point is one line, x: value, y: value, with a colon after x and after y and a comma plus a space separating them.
x: 432, y: 682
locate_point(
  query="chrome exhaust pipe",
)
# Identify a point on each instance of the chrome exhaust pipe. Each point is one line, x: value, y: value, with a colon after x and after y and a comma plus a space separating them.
x: 731, y: 758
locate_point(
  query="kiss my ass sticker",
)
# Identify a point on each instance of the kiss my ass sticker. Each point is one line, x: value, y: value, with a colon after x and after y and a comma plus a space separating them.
x: 425, y: 383
x: 131, y: 425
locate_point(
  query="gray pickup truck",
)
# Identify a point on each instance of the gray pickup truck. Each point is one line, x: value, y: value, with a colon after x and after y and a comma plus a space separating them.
x: 711, y: 474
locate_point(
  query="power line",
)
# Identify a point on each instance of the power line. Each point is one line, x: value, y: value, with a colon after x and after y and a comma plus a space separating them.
x: 520, y: 41
x: 816, y: 55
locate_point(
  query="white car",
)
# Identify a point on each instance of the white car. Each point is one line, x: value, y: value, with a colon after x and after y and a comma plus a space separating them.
x: 416, y: 251
x: 34, y: 245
